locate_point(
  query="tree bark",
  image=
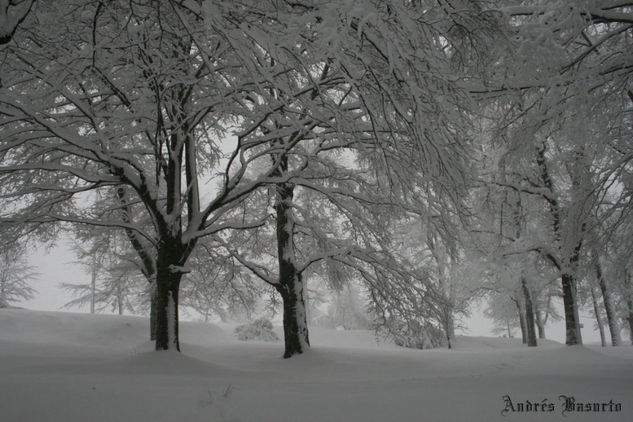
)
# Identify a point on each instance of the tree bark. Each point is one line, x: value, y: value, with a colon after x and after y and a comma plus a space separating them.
x: 152, y: 312
x: 628, y: 293
x: 596, y: 311
x: 449, y: 327
x: 529, y: 315
x: 290, y: 285
x: 522, y: 324
x: 570, y: 305
x: 167, y: 313
x: 167, y: 289
x: 4, y: 302
x: 612, y: 318
x: 540, y: 325
x: 93, y: 283
x: 296, y: 339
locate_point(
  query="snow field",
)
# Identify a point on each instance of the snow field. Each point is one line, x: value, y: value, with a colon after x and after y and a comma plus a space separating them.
x: 75, y: 367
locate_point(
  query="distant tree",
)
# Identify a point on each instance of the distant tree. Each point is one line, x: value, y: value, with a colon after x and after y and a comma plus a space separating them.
x: 348, y: 308
x: 15, y: 275
x: 220, y: 286
x: 116, y: 284
x: 502, y: 311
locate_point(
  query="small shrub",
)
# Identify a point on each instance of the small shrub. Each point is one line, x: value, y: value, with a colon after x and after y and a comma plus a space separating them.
x: 260, y: 329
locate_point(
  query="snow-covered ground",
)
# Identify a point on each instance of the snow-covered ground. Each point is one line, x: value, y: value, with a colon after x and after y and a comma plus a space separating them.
x: 75, y: 367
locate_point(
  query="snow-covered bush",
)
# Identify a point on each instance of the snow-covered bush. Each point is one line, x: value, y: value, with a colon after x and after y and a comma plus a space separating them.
x: 260, y: 329
x: 412, y: 333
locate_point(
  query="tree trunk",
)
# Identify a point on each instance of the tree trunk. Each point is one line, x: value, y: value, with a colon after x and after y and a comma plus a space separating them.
x: 152, y: 312
x: 522, y: 324
x: 572, y: 322
x: 612, y: 318
x: 596, y: 311
x: 290, y: 280
x: 119, y: 298
x: 628, y: 293
x: 449, y: 328
x: 296, y: 339
x: 4, y: 302
x: 93, y: 283
x: 529, y: 315
x: 167, y: 289
x: 540, y: 324
x: 167, y: 314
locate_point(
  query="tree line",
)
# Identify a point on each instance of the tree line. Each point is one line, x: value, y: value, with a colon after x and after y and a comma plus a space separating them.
x: 431, y: 152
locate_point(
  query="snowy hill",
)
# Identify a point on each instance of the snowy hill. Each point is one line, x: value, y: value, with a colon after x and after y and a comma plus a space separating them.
x: 74, y: 367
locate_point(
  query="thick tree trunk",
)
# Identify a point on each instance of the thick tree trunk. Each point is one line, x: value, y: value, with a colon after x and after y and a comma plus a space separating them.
x: 572, y: 321
x: 290, y: 284
x: 529, y: 315
x: 596, y: 311
x: 612, y: 318
x: 167, y: 313
x: 167, y: 288
x: 296, y: 339
x: 152, y: 312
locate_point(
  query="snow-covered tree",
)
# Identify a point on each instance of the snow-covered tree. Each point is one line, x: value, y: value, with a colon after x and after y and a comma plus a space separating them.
x: 567, y: 90
x: 15, y: 274
x: 115, y: 283
x: 12, y: 13
x: 135, y: 96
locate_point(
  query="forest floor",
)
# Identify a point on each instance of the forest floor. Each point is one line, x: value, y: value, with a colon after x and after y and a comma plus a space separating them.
x: 71, y: 367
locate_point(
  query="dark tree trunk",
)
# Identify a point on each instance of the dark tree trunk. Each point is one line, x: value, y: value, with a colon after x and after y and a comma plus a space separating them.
x: 540, y: 325
x: 628, y: 293
x: 290, y: 285
x: 572, y: 323
x: 449, y: 327
x: 152, y: 312
x: 167, y: 313
x: 522, y: 324
x: 612, y: 318
x: 167, y: 289
x: 295, y: 326
x: 596, y: 311
x: 529, y: 315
